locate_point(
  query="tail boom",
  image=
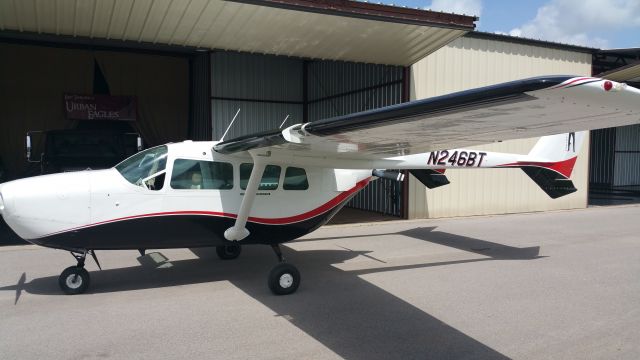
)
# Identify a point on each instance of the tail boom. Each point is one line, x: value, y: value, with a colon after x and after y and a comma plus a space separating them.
x: 549, y: 164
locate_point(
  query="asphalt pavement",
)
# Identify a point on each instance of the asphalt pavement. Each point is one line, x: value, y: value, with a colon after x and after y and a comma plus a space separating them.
x: 555, y: 285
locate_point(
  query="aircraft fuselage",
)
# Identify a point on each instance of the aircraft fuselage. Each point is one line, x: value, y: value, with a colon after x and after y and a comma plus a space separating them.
x: 103, y: 210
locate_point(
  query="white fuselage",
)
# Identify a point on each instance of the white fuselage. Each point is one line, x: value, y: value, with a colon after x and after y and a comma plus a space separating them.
x: 50, y: 205
x: 44, y: 205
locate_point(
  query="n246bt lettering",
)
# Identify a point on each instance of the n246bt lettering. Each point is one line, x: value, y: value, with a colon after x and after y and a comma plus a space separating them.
x: 456, y: 158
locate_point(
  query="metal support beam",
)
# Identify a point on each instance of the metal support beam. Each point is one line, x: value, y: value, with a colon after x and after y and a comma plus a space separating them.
x: 305, y: 91
x: 257, y: 100
x: 406, y: 97
x: 200, y: 127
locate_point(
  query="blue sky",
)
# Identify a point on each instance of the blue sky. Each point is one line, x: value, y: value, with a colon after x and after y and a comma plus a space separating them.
x: 595, y: 23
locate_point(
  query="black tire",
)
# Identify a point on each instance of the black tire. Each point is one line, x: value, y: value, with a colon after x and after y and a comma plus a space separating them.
x: 74, y: 280
x: 228, y: 252
x: 284, y: 279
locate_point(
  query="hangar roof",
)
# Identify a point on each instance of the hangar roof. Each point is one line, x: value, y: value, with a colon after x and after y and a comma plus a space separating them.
x: 328, y: 29
x: 633, y: 52
x: 626, y: 73
x: 532, y: 42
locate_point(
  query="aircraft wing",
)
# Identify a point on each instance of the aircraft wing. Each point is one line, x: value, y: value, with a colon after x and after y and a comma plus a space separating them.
x: 519, y: 109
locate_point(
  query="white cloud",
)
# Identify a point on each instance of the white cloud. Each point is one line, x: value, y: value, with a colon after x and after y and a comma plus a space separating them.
x: 574, y: 21
x: 468, y: 7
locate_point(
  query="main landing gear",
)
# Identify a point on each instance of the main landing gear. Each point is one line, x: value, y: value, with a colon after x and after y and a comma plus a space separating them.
x: 75, y: 279
x: 284, y: 278
x: 228, y: 252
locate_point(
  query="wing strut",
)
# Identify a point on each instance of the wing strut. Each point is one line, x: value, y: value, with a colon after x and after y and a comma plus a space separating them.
x: 238, y: 231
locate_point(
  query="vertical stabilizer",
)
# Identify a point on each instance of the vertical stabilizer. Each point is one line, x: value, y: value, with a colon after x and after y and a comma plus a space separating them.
x: 551, y: 161
x: 557, y: 148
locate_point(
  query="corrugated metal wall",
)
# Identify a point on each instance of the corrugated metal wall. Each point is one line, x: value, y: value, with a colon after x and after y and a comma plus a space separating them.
x: 467, y: 63
x: 268, y: 88
x: 265, y: 88
x: 200, y: 103
x: 602, y: 157
x: 627, y: 156
x: 339, y: 88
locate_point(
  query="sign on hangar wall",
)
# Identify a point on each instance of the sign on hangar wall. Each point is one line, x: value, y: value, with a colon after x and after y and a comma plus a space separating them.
x: 100, y: 107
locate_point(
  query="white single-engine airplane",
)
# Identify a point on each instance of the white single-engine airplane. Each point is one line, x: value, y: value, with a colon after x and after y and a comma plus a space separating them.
x: 273, y: 187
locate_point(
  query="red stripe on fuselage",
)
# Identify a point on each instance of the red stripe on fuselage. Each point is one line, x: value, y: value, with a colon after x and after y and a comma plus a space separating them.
x: 268, y: 221
x: 315, y: 212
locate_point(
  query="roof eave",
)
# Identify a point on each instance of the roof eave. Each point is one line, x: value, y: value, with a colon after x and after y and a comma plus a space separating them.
x: 532, y: 42
x: 369, y: 11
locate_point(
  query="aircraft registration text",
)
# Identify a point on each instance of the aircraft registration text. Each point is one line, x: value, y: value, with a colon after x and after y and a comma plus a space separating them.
x: 456, y: 158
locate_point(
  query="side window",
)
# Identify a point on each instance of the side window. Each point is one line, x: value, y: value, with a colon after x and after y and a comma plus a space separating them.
x: 270, y: 176
x: 295, y: 179
x: 195, y: 174
x: 155, y: 183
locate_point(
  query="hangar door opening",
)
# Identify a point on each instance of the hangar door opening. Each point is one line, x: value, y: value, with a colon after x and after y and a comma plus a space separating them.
x: 614, y: 167
x: 614, y: 173
x: 51, y: 90
x: 340, y: 88
x: 37, y: 82
x: 269, y: 90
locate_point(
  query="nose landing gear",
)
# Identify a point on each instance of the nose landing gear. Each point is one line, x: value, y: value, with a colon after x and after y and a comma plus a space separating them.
x: 284, y: 278
x: 75, y: 279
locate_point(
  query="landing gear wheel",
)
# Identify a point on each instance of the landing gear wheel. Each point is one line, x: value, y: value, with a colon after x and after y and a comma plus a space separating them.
x: 228, y: 252
x: 74, y: 280
x: 284, y: 279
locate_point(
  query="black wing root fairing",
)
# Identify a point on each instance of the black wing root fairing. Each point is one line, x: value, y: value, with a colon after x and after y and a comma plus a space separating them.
x: 251, y: 141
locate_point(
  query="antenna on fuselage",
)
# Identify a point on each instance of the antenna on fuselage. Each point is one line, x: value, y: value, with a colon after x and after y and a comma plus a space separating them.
x: 231, y: 123
x: 284, y: 121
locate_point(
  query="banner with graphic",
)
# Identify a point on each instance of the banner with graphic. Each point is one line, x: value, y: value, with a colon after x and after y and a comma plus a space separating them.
x: 100, y: 107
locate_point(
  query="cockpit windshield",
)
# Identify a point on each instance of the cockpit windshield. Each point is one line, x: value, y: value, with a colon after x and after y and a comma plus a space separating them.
x: 144, y: 166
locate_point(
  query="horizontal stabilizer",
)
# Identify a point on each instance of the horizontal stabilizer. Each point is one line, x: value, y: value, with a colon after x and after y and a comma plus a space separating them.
x: 430, y: 178
x: 551, y: 182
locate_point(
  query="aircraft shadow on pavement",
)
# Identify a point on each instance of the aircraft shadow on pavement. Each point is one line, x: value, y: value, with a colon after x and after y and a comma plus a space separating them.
x: 347, y: 314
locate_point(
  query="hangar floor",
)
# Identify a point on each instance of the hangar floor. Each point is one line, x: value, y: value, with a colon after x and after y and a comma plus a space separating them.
x: 483, y: 287
x: 352, y: 216
x: 621, y: 195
